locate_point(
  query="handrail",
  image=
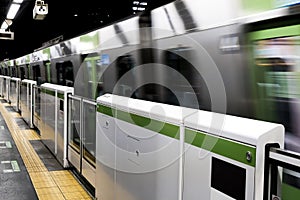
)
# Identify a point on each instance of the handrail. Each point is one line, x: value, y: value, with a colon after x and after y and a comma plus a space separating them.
x: 74, y: 97
x: 285, y: 158
x: 94, y: 103
x: 85, y: 100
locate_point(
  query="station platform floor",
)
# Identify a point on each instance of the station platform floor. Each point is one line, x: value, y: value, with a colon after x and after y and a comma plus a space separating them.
x: 28, y: 170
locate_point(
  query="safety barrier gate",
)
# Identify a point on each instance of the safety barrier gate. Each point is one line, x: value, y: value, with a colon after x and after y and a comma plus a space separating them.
x: 123, y: 128
x: 82, y: 136
x: 286, y: 187
x: 152, y: 151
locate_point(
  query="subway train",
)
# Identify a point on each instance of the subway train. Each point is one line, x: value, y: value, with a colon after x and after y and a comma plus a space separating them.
x: 238, y: 64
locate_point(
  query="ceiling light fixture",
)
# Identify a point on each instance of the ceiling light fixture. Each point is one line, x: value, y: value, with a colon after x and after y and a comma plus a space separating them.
x: 143, y: 4
x: 13, y: 9
x: 6, y: 23
x: 18, y: 1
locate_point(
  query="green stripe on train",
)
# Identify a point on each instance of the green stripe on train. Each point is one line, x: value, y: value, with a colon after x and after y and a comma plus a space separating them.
x: 164, y: 128
x: 229, y: 149
x: 286, y: 31
x: 260, y: 74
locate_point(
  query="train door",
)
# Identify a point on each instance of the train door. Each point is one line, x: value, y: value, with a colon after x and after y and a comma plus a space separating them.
x: 275, y: 58
x: 277, y: 76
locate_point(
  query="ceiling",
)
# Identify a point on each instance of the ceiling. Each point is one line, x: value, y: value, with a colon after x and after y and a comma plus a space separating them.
x: 68, y: 18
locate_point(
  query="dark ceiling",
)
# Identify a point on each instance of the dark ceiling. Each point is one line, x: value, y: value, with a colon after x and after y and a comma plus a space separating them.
x: 61, y: 20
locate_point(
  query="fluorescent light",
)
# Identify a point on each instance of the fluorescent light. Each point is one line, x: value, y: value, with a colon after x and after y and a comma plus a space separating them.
x: 4, y: 25
x: 143, y: 3
x: 18, y: 1
x: 14, y: 8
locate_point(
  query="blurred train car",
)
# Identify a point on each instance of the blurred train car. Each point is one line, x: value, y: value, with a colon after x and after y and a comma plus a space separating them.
x: 240, y: 65
x: 256, y: 56
x: 247, y: 53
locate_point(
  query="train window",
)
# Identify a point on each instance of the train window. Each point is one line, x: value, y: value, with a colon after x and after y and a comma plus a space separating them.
x: 1, y: 72
x: 174, y: 59
x: 8, y: 71
x: 59, y: 73
x: 13, y: 72
x: 124, y: 64
x: 89, y: 77
x: 36, y: 73
x: 22, y: 73
x: 100, y: 68
x: 69, y: 74
x: 64, y: 74
x: 183, y: 72
x: 28, y: 73
x: 5, y: 71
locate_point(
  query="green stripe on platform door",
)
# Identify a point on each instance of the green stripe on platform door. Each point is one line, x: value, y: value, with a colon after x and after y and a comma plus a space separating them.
x: 227, y: 148
x: 164, y: 128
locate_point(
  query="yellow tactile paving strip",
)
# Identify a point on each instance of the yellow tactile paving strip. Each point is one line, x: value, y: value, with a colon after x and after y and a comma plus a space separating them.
x: 55, y: 185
